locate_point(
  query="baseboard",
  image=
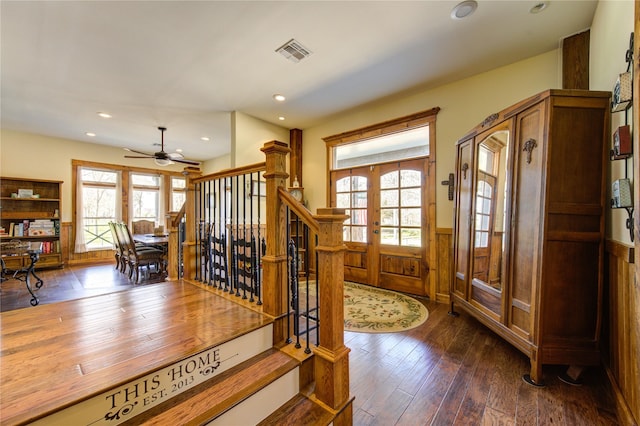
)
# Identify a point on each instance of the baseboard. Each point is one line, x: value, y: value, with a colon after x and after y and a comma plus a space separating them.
x: 625, y: 416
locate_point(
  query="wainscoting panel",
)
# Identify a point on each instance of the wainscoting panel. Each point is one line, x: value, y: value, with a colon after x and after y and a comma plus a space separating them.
x: 622, y: 350
x: 444, y: 243
x: 70, y: 258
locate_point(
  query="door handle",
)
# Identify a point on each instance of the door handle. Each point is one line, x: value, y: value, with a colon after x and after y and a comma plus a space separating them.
x: 375, y: 231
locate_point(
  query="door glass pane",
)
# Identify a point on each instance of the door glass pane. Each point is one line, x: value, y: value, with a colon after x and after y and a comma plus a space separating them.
x: 348, y: 220
x: 410, y: 178
x: 343, y: 201
x: 389, y: 198
x: 389, y: 217
x: 389, y: 236
x: 343, y: 185
x: 359, y: 234
x: 358, y: 183
x: 358, y: 217
x: 410, y: 197
x: 411, y: 217
x: 360, y: 199
x: 389, y: 180
x: 411, y: 237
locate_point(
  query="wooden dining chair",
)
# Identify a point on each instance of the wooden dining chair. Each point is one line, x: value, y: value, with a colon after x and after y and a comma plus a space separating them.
x: 141, y: 258
x: 121, y: 259
x: 142, y: 227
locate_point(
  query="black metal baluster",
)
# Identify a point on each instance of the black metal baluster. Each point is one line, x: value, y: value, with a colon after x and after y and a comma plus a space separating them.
x: 198, y: 200
x: 261, y: 247
x: 254, y: 248
x: 295, y: 302
x: 244, y: 237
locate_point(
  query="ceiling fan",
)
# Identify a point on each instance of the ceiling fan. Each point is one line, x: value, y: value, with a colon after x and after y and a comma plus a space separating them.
x: 161, y: 157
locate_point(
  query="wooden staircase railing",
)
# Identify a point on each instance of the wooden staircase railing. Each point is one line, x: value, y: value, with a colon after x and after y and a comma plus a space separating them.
x: 331, y: 363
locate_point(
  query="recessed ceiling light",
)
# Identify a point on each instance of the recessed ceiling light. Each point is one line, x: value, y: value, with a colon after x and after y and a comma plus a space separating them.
x: 104, y: 115
x: 539, y: 7
x: 179, y: 150
x: 205, y: 138
x: 464, y: 9
x: 90, y: 134
x: 278, y: 97
x: 281, y: 118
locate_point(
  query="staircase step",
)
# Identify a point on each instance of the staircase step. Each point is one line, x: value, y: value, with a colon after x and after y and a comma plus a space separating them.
x: 217, y: 396
x: 299, y: 411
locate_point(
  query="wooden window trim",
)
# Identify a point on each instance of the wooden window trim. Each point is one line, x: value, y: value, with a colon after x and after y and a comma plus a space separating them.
x: 166, y: 175
x: 419, y: 119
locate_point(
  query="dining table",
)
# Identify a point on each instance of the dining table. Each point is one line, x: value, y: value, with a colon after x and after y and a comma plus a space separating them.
x: 157, y: 241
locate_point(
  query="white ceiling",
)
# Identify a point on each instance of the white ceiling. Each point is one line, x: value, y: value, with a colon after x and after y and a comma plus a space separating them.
x: 187, y: 65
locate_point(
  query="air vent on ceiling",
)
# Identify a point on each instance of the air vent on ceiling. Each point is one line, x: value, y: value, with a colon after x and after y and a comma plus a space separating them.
x: 293, y: 51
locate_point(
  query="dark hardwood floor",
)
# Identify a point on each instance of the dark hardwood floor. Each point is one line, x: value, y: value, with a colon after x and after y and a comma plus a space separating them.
x: 446, y: 371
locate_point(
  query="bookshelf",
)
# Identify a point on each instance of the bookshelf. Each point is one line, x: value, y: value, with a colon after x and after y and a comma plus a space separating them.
x: 30, y: 215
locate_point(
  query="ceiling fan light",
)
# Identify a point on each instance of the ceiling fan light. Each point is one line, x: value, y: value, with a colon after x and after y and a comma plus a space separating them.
x: 162, y: 162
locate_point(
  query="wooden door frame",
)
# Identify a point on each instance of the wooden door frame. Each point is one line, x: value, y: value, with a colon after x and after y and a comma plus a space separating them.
x: 419, y: 119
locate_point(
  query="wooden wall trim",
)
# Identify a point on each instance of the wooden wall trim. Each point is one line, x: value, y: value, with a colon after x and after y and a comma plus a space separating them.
x: 620, y: 347
x: 620, y: 250
x: 575, y: 61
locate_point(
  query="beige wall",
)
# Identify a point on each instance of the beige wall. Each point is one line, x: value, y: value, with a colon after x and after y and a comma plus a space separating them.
x: 463, y: 105
x: 610, y: 32
x: 248, y: 135
x: 40, y: 157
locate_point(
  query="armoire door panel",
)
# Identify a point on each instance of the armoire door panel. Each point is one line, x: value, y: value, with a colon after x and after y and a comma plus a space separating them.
x: 579, y: 285
x: 527, y: 196
x: 462, y: 223
x: 583, y: 163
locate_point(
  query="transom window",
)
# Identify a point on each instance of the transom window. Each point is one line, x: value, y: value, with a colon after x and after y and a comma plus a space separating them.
x: 403, y: 145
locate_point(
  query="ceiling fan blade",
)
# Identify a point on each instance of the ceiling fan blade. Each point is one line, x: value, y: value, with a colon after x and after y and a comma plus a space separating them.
x: 193, y: 163
x: 138, y: 156
x: 138, y: 152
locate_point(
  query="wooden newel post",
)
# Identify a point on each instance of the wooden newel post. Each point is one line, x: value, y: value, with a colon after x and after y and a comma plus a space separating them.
x: 274, y: 262
x: 189, y: 245
x: 332, y: 356
x: 172, y: 253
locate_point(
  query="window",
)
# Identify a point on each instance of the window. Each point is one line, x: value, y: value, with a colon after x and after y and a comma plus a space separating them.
x: 178, y: 193
x: 109, y: 192
x: 403, y: 145
x: 98, y: 206
x: 401, y: 208
x: 146, y: 197
x: 351, y: 195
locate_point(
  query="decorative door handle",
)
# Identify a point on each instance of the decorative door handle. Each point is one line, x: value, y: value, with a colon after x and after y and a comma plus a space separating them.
x: 529, y: 145
x: 465, y: 167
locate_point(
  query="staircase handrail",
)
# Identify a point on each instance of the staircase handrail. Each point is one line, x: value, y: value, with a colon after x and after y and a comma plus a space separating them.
x: 299, y: 209
x: 236, y: 171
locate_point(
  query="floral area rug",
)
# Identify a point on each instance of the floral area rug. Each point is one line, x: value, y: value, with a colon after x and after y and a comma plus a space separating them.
x: 373, y: 310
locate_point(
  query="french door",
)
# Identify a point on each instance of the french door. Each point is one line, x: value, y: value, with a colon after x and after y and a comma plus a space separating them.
x: 386, y: 234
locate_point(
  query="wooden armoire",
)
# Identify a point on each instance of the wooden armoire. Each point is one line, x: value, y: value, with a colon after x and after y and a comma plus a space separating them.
x: 529, y: 226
